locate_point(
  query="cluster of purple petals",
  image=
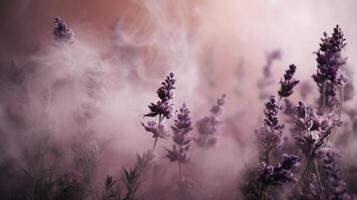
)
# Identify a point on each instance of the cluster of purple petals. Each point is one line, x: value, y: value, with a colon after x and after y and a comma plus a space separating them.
x: 209, y: 126
x: 288, y: 83
x: 313, y: 130
x: 337, y: 186
x: 163, y: 107
x: 329, y: 64
x: 271, y: 134
x: 181, y: 137
x: 61, y: 31
x: 280, y: 174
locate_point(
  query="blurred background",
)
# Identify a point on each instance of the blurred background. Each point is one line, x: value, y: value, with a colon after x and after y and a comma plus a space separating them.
x: 93, y: 92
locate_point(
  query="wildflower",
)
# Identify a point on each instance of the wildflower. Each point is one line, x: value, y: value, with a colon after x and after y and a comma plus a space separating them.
x: 61, y: 30
x: 313, y: 130
x: 271, y: 135
x: 329, y: 60
x: 281, y: 173
x: 181, y: 137
x: 337, y: 187
x: 287, y: 85
x: 209, y: 126
x: 163, y: 109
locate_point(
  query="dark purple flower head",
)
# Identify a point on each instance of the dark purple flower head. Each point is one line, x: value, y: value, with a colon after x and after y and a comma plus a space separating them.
x: 281, y: 173
x: 209, y: 126
x: 163, y: 107
x: 165, y: 92
x: 288, y: 83
x: 337, y: 187
x: 181, y: 136
x: 61, y: 30
x: 329, y: 64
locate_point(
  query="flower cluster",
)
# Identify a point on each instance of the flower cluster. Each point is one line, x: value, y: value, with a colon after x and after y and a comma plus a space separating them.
x: 181, y: 136
x: 329, y: 65
x: 288, y: 83
x: 281, y: 173
x: 163, y: 109
x: 271, y: 135
x: 336, y: 184
x: 61, y: 30
x: 209, y: 126
x: 313, y: 130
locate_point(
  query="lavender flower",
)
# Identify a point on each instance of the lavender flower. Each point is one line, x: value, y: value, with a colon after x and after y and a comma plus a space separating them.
x: 181, y: 137
x: 313, y: 130
x: 271, y: 135
x: 337, y: 187
x: 287, y: 85
x: 329, y: 73
x: 209, y: 126
x: 61, y: 30
x: 281, y: 173
x: 266, y: 80
x: 163, y: 109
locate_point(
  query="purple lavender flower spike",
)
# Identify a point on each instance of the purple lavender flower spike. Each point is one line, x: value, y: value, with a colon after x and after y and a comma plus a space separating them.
x: 163, y: 109
x: 271, y: 135
x: 329, y: 60
x: 181, y: 137
x: 337, y: 187
x: 209, y: 126
x: 61, y: 30
x: 288, y: 83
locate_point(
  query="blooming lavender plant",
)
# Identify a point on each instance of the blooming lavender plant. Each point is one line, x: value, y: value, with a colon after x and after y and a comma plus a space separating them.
x: 271, y: 135
x: 329, y: 76
x: 163, y: 109
x: 269, y: 175
x: 288, y: 83
x: 61, y: 30
x: 209, y: 126
x: 336, y: 185
x: 181, y: 137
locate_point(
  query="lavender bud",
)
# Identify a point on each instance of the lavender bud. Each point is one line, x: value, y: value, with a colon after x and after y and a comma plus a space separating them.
x: 61, y: 30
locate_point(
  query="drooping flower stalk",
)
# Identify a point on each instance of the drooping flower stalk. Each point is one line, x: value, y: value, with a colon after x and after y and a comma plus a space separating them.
x: 209, y: 126
x: 182, y: 138
x: 162, y: 109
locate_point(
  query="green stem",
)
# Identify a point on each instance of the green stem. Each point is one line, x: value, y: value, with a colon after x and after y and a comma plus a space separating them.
x: 319, y: 179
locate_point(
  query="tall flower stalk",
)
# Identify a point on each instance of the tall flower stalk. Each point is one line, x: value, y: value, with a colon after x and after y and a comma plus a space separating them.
x: 182, y: 139
x: 209, y: 126
x: 329, y: 76
x: 162, y: 109
x: 271, y: 135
